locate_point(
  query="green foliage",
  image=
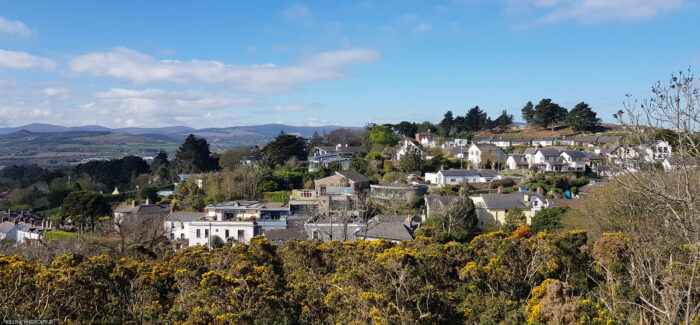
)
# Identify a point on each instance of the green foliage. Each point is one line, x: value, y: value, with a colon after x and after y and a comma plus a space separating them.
x: 194, y: 156
x: 150, y: 193
x: 548, y: 219
x: 359, y: 164
x: 411, y: 161
x: 529, y: 113
x: 383, y: 135
x: 515, y: 218
x: 113, y: 173
x: 547, y: 113
x: 458, y: 223
x: 232, y: 158
x: 59, y: 235
x: 284, y: 147
x: 84, y: 208
x: 582, y: 118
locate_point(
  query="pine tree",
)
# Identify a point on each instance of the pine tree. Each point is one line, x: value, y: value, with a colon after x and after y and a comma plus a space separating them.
x: 582, y: 118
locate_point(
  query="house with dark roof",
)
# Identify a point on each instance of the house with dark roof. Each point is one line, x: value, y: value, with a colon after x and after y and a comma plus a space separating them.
x: 517, y: 161
x: 177, y: 223
x: 575, y: 160
x: 392, y: 231
x: 459, y: 176
x: 141, y: 212
x: 342, y: 182
x: 483, y: 153
x: 547, y: 160
x: 340, y: 150
x: 410, y: 145
x: 492, y: 208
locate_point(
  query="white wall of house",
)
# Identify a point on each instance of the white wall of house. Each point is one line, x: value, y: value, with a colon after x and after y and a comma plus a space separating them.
x: 200, y: 231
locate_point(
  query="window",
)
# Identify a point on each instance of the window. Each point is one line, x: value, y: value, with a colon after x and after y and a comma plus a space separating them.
x: 199, y: 235
x: 182, y: 236
x: 182, y: 225
x: 226, y: 233
x: 206, y: 233
x: 241, y: 234
x: 315, y: 234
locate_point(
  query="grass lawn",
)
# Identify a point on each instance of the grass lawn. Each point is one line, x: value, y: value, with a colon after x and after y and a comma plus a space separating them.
x: 59, y: 235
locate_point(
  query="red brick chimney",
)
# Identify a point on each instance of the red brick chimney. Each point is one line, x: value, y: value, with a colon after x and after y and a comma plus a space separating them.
x: 540, y: 190
x: 469, y: 167
x: 133, y: 203
x: 500, y: 189
x: 442, y: 167
x: 172, y: 207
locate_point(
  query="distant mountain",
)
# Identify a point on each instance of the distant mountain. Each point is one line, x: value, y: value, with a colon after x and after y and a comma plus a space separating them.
x: 263, y: 130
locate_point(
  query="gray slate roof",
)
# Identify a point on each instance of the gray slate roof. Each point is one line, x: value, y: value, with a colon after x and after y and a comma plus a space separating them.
x: 353, y: 176
x: 185, y: 216
x: 548, y: 152
x: 575, y: 153
x: 467, y: 172
x: 385, y: 230
x: 143, y: 209
x: 6, y: 227
x: 507, y: 200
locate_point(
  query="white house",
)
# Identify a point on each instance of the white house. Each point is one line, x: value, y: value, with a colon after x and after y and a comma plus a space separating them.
x: 410, y: 145
x: 543, y: 141
x: 517, y: 161
x: 548, y: 160
x: 209, y: 232
x: 177, y: 223
x: 575, y: 160
x: 656, y: 150
x: 485, y: 152
x: 459, y: 176
x: 501, y: 142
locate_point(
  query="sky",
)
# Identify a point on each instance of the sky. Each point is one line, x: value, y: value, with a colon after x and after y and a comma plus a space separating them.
x: 226, y: 63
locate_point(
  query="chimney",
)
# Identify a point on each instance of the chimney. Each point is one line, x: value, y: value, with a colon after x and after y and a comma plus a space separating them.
x: 500, y: 189
x: 148, y: 201
x: 442, y: 167
x: 133, y: 203
x: 172, y: 207
x: 493, y: 166
x: 526, y: 197
x: 540, y: 190
x: 469, y: 167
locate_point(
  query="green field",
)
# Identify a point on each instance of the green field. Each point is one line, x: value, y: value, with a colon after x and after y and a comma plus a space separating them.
x: 59, y: 235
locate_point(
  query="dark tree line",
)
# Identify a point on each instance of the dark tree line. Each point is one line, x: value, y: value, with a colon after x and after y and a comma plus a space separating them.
x: 548, y: 113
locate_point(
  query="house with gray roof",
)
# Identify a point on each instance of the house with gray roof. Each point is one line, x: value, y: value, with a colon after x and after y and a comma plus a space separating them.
x: 492, y: 208
x: 459, y: 176
x: 485, y: 153
x: 392, y: 231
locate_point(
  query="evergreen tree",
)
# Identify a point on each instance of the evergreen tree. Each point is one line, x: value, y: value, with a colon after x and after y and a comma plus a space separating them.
x: 411, y: 161
x: 549, y: 113
x: 529, y: 113
x: 582, y: 118
x: 194, y: 156
x: 84, y: 208
x: 406, y: 128
x: 504, y: 120
x: 286, y: 146
x: 446, y: 124
x: 475, y: 119
x: 316, y: 140
x: 514, y: 219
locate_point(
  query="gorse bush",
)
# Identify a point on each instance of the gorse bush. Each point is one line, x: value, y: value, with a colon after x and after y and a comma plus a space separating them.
x: 495, y: 278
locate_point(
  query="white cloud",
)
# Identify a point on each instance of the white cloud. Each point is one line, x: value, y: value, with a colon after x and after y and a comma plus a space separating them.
x: 15, y: 27
x: 315, y: 121
x: 592, y: 11
x: 423, y: 27
x: 127, y: 64
x: 22, y: 60
x: 290, y: 108
x: 299, y: 13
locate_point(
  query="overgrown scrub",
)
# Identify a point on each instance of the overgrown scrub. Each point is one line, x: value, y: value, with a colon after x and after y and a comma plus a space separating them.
x: 496, y: 278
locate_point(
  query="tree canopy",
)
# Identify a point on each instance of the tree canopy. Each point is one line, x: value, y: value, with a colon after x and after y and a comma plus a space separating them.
x: 84, y: 208
x: 383, y: 135
x: 284, y: 147
x: 548, y: 113
x: 582, y: 118
x: 194, y: 156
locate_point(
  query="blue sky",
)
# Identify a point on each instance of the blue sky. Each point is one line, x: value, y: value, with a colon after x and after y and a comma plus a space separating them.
x: 226, y: 63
